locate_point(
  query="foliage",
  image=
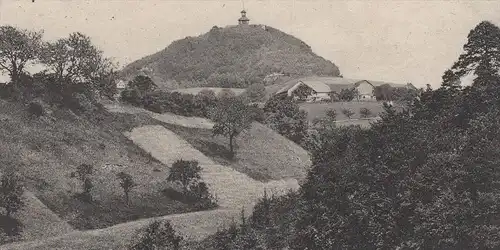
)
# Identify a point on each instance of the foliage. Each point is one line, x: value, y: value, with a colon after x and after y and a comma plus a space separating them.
x: 232, y: 57
x: 83, y: 173
x: 302, y: 92
x: 36, y: 109
x: 365, y: 112
x: 284, y: 116
x: 426, y: 177
x: 331, y: 114
x: 231, y: 116
x: 187, y: 175
x: 18, y: 49
x: 347, y: 112
x: 75, y: 59
x: 11, y: 191
x: 255, y: 92
x: 157, y: 235
x: 348, y: 95
x: 184, y: 173
x: 127, y: 183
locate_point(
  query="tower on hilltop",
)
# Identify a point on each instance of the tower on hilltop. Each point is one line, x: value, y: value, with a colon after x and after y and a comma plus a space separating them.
x: 243, y: 20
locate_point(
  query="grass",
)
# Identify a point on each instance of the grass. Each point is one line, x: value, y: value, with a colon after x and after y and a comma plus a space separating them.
x: 261, y: 153
x: 47, y: 150
x: 194, y: 226
x: 38, y: 221
x: 319, y: 109
x: 194, y: 91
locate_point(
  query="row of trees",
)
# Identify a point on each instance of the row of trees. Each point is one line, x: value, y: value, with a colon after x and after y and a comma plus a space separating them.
x: 73, y: 60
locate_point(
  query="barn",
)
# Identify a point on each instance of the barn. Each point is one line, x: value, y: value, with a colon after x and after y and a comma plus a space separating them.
x: 322, y: 88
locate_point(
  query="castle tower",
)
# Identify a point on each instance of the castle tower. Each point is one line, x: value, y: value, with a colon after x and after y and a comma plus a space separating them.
x: 243, y: 19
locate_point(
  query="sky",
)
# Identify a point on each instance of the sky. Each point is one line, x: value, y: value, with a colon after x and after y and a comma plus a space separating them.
x: 395, y: 41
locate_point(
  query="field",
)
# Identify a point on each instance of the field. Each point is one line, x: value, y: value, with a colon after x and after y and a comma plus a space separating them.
x: 195, y: 91
x: 46, y: 151
x: 261, y: 153
x: 319, y: 109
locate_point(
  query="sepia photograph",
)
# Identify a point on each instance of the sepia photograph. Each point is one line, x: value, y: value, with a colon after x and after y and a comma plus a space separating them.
x: 249, y: 125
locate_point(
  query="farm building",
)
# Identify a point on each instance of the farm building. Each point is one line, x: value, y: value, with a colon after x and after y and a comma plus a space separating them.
x: 324, y: 87
x: 308, y: 89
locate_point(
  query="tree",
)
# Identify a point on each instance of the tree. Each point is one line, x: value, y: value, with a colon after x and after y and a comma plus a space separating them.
x: 481, y: 56
x: 347, y: 112
x: 383, y: 92
x: 11, y: 191
x: 331, y: 114
x: 18, y: 48
x: 347, y: 95
x: 256, y: 92
x: 142, y: 83
x: 127, y: 183
x: 285, y: 117
x: 157, y: 235
x: 185, y: 173
x: 302, y: 92
x: 365, y: 112
x: 83, y: 174
x: 75, y: 59
x: 231, y: 116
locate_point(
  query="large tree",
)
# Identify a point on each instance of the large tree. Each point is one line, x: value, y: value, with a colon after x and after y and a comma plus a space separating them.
x: 231, y: 117
x: 18, y: 48
x: 481, y: 56
x: 76, y: 59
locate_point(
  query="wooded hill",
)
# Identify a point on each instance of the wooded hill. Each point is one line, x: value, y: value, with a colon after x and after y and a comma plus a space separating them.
x: 234, y: 56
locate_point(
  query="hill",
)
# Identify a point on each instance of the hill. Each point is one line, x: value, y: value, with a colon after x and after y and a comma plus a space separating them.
x: 47, y: 150
x: 233, y: 56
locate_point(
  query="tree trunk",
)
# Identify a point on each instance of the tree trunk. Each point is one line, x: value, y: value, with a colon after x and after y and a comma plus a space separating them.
x: 126, y: 198
x: 231, y: 145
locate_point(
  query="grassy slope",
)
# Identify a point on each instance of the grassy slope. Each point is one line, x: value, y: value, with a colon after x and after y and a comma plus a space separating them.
x: 261, y: 153
x: 46, y: 151
x: 232, y: 50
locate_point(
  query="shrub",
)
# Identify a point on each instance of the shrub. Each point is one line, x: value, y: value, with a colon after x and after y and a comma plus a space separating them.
x: 36, y: 109
x: 365, y: 112
x: 331, y: 114
x: 157, y: 235
x: 347, y: 112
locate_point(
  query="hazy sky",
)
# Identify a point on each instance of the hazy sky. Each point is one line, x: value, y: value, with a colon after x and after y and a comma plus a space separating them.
x: 398, y: 41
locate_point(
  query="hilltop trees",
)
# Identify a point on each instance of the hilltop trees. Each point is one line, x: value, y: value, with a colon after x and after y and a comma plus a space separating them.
x: 231, y: 116
x: 18, y: 48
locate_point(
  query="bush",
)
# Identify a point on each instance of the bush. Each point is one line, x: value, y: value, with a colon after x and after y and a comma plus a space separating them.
x: 347, y: 112
x: 365, y: 112
x: 36, y: 109
x: 157, y: 235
